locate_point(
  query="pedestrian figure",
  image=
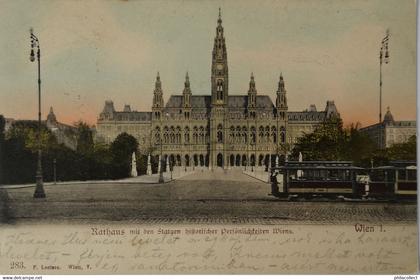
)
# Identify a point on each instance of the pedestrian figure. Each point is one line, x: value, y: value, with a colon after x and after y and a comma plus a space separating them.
x: 274, y: 184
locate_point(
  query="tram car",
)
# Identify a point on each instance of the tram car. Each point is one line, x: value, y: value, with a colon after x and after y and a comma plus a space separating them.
x: 320, y: 178
x: 398, y: 180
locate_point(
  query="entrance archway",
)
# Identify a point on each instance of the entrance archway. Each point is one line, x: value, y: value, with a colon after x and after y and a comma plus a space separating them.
x: 206, y: 160
x: 244, y: 161
x: 220, y: 160
x: 260, y: 160
x: 252, y: 160
x: 267, y: 161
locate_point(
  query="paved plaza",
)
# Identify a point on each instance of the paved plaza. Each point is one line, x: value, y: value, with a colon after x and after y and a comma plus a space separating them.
x: 204, y: 196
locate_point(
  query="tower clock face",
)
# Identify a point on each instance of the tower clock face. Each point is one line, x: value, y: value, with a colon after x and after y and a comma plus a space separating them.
x: 219, y: 66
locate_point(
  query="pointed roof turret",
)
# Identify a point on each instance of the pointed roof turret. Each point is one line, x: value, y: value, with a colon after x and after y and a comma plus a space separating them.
x: 219, y: 28
x: 127, y: 108
x: 158, y: 83
x: 281, y: 100
x: 187, y: 80
x: 51, y: 118
x: 388, y: 118
x: 252, y: 93
x: 331, y: 110
x: 187, y: 88
x: 252, y: 88
x: 281, y: 82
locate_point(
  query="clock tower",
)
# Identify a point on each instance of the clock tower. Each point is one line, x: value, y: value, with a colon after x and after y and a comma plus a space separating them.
x: 219, y: 99
x: 219, y: 68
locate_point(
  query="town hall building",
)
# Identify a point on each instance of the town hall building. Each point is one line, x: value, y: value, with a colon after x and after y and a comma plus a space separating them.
x: 220, y: 129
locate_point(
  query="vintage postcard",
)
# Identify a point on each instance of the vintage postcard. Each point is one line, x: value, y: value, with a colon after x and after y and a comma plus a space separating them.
x: 208, y: 137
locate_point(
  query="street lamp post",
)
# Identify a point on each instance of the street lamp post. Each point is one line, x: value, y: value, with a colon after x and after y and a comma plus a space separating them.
x: 383, y: 57
x: 55, y: 171
x: 161, y: 180
x: 39, y: 189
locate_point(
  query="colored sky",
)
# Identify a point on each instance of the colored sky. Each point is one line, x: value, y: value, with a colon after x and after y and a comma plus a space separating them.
x: 93, y: 51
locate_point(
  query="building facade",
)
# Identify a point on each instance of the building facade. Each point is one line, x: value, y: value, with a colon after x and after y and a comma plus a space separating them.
x: 220, y: 129
x: 389, y: 131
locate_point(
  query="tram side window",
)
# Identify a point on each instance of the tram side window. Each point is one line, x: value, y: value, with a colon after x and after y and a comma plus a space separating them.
x: 339, y: 175
x: 402, y: 175
x: 390, y: 176
x: 333, y: 175
x: 412, y: 175
x: 383, y: 176
x: 378, y: 175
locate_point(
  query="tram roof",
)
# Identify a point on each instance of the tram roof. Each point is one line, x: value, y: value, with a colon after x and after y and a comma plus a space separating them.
x: 391, y: 167
x: 320, y: 162
x: 320, y: 167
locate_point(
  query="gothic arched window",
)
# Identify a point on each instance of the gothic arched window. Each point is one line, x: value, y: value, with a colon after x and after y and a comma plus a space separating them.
x: 172, y: 135
x: 165, y: 135
x: 267, y: 133
x: 244, y: 134
x: 187, y: 135
x: 195, y: 135
x: 261, y: 134
x: 201, y: 135
x: 157, y: 135
x: 274, y: 134
x: 232, y: 135
x: 219, y: 133
x: 282, y: 134
x: 253, y: 135
x: 178, y: 135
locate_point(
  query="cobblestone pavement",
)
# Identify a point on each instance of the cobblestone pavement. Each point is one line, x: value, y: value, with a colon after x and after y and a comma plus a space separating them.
x: 203, y: 197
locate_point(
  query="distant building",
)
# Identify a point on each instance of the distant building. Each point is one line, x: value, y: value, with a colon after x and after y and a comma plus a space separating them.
x: 389, y: 131
x: 218, y: 129
x: 111, y: 123
x: 65, y: 134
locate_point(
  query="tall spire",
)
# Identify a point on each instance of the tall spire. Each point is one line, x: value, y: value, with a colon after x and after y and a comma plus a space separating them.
x: 187, y: 97
x: 158, y: 83
x: 219, y: 28
x: 187, y: 81
x: 158, y: 93
x: 281, y: 100
x: 219, y: 68
x: 252, y: 93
